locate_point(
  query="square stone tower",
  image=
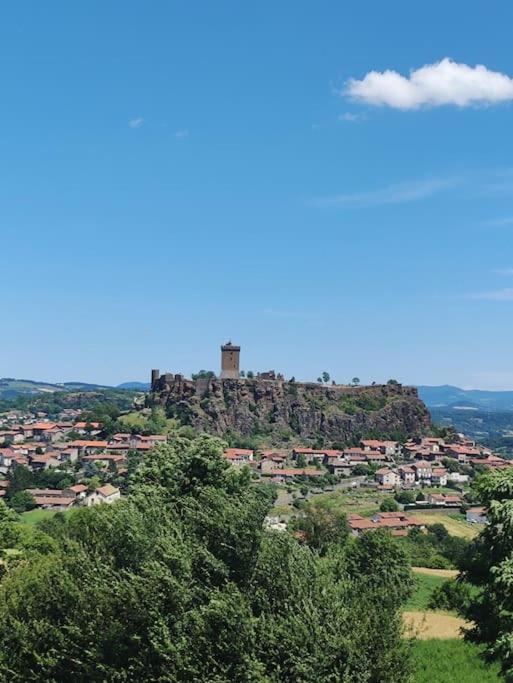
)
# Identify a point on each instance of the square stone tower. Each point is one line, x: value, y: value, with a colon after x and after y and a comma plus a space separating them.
x: 230, y: 361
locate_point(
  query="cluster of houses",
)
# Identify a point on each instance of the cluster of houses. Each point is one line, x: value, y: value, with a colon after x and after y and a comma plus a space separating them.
x: 398, y: 523
x: 398, y: 465
x: 40, y: 444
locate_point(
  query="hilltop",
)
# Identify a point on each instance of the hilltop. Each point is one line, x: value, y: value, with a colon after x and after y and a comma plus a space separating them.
x: 278, y: 411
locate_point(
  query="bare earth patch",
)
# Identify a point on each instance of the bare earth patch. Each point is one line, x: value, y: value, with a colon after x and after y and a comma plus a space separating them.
x: 426, y: 625
x: 445, y: 573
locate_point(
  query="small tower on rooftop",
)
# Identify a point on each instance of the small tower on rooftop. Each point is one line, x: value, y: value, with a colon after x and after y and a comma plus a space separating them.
x: 230, y: 361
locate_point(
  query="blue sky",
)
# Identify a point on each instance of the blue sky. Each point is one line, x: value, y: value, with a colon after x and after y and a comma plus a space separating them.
x: 175, y: 174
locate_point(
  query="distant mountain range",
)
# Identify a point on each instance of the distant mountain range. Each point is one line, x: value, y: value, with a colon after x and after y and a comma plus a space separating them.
x: 447, y: 396
x: 11, y: 388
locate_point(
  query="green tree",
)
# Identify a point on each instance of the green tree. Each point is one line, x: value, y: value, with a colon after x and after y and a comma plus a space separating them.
x: 20, y: 478
x: 204, y: 374
x: 325, y: 377
x: 179, y: 581
x: 157, y: 421
x: 324, y: 526
x: 405, y: 497
x: 388, y: 505
x: 355, y: 381
x: 22, y: 501
x: 301, y: 461
x: 488, y: 566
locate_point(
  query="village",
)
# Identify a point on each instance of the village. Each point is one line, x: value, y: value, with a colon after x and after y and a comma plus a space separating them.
x: 427, y: 473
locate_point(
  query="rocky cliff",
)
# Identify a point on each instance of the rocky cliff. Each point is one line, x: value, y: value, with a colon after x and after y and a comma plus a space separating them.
x: 281, y: 411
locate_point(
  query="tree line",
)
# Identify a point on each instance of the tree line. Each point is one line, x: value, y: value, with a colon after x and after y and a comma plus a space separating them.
x: 179, y: 581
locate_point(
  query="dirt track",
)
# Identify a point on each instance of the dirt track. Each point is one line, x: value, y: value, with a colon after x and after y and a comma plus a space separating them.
x: 426, y: 625
x: 446, y: 573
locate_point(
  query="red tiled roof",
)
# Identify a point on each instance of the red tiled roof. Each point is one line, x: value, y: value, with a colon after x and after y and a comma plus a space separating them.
x: 107, y: 490
x: 53, y: 500
x: 78, y: 488
x: 362, y: 524
x: 41, y: 425
x: 384, y: 470
x: 234, y: 453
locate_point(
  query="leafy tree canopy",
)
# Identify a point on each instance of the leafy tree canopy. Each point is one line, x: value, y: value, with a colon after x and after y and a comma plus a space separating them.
x: 178, y: 581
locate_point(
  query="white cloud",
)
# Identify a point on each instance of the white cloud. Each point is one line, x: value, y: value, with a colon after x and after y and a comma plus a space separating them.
x: 136, y: 123
x: 182, y: 133
x: 497, y: 295
x: 442, y: 83
x: 393, y: 194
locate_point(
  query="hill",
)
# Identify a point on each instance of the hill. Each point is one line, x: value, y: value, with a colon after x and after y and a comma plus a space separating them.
x: 277, y: 411
x: 465, y: 399
x: 11, y: 388
x: 134, y: 386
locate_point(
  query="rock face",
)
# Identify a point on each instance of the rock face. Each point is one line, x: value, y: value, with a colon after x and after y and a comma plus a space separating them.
x: 280, y: 411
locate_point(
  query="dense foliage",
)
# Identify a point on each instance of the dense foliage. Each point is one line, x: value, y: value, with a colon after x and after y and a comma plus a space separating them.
x: 52, y: 403
x: 489, y: 568
x: 436, y: 548
x: 179, y: 582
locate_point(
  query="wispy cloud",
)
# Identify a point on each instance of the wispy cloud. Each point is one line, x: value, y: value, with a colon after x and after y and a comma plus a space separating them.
x: 349, y: 117
x: 280, y: 313
x: 499, y: 222
x: 508, y: 272
x: 182, y: 133
x: 393, y: 194
x: 433, y: 85
x: 505, y: 294
x: 136, y: 123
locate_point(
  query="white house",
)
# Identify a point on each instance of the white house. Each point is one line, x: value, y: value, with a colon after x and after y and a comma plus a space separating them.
x: 386, y: 477
x: 407, y: 475
x: 103, y: 494
x: 439, y: 476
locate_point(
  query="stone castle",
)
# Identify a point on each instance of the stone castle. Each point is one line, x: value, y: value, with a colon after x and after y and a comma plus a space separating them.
x: 230, y: 370
x: 278, y: 409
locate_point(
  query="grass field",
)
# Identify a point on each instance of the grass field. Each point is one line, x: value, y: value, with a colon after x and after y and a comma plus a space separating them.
x: 140, y: 420
x: 365, y: 502
x: 425, y: 585
x: 451, y: 661
x: 453, y: 522
x: 35, y: 516
x: 136, y: 419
